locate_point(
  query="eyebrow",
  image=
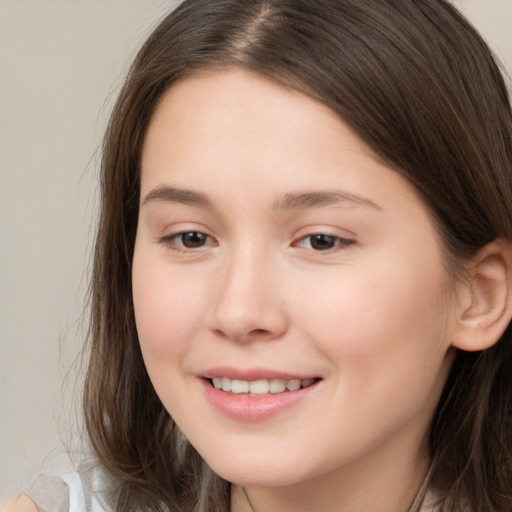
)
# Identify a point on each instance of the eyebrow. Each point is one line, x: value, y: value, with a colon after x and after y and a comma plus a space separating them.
x: 295, y: 201
x: 307, y: 200
x: 177, y: 195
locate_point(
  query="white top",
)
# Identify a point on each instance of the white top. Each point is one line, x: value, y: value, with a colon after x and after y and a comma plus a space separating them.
x: 66, y: 486
x: 81, y: 487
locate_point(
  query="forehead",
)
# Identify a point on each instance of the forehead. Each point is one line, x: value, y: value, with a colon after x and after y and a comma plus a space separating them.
x: 204, y: 115
x: 234, y: 131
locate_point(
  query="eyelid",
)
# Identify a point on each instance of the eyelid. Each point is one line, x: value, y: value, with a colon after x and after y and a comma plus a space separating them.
x: 340, y: 242
x: 170, y: 241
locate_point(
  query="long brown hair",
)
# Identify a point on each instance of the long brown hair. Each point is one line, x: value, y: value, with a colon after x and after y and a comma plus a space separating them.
x: 417, y: 83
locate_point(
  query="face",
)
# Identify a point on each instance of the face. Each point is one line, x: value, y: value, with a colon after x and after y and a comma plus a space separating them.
x: 290, y: 294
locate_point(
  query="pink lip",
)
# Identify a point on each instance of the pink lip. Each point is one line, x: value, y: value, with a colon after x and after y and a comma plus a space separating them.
x: 253, y: 409
x: 251, y: 374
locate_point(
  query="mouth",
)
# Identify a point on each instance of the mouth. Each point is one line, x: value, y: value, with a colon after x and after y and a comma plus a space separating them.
x: 256, y: 395
x: 260, y: 387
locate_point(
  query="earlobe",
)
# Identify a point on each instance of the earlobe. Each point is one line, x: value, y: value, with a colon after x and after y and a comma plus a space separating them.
x: 487, y: 306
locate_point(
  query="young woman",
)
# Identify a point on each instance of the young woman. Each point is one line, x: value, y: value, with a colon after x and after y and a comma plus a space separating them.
x: 302, y: 281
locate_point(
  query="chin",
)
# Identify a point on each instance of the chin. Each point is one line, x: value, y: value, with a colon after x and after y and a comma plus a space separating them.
x: 269, y: 473
x: 263, y: 477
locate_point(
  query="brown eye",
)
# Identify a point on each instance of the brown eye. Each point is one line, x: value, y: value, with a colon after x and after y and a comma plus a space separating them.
x: 187, y: 241
x: 192, y: 240
x: 322, y: 242
x: 319, y: 242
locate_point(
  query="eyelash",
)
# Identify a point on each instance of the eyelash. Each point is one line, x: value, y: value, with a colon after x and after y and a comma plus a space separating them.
x: 337, y: 241
x: 174, y: 243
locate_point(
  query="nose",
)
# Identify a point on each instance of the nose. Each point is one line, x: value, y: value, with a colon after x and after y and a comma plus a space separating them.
x: 250, y: 304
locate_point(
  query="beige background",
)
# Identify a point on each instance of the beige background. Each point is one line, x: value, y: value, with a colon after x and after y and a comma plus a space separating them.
x: 61, y: 64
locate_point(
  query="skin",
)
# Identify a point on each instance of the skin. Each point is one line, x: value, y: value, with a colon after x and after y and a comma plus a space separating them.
x: 22, y: 504
x: 372, y: 317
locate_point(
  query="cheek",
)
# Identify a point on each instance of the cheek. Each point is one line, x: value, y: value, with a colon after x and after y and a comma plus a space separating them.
x: 381, y: 317
x: 167, y: 310
x: 387, y: 347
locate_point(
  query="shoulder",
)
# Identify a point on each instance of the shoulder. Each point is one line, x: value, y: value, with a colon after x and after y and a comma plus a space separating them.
x: 79, y: 485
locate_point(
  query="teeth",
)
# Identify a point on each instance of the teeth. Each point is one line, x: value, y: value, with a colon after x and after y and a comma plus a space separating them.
x: 226, y: 384
x: 260, y: 387
x: 240, y: 386
x: 294, y: 385
x: 307, y: 382
x: 277, y: 385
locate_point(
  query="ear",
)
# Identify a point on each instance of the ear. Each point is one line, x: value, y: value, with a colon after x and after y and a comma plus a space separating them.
x: 486, y: 300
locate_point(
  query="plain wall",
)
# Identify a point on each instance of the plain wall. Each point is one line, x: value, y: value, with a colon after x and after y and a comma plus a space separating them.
x: 61, y: 64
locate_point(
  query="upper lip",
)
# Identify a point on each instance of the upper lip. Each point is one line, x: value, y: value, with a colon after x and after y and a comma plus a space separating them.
x: 253, y: 374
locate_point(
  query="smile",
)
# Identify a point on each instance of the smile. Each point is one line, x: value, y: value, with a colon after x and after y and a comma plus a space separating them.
x: 255, y: 398
x: 259, y: 387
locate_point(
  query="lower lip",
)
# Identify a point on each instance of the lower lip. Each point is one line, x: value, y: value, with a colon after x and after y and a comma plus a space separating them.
x: 252, y: 409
